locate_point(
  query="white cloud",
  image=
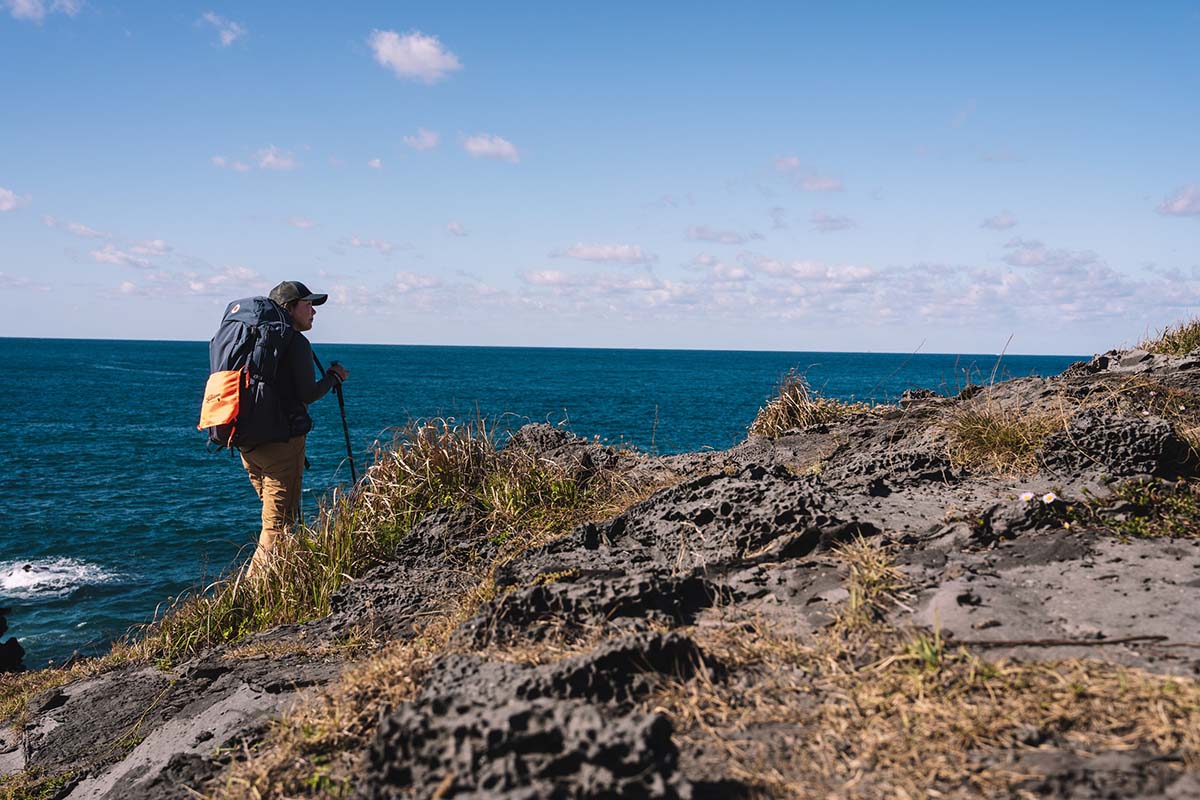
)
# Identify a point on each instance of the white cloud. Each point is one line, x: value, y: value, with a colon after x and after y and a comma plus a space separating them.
x: 778, y: 219
x: 36, y: 10
x: 151, y: 247
x: 225, y: 163
x: 820, y: 183
x: 455, y: 228
x: 704, y: 233
x: 1183, y: 202
x: 406, y: 282
x: 825, y: 222
x: 83, y: 230
x: 548, y: 277
x: 227, y: 281
x: 271, y: 157
x: 1032, y: 253
x: 810, y: 180
x: 413, y: 56
x: 75, y: 228
x: 422, y: 140
x: 621, y: 253
x: 727, y: 272
x: 817, y: 272
x: 228, y: 31
x: 110, y: 254
x: 1001, y: 222
x: 380, y: 246
x: 9, y: 200
x: 717, y: 271
x: 375, y: 163
x: 20, y: 282
x: 787, y: 164
x: 612, y: 292
x: 302, y: 223
x: 485, y: 145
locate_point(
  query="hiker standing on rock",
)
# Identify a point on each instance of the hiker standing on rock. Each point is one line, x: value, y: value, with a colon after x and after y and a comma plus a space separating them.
x: 276, y: 469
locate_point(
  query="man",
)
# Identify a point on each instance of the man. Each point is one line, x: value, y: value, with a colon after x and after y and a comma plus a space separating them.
x: 276, y: 469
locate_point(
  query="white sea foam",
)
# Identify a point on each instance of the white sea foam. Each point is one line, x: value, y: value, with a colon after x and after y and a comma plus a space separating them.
x: 49, y: 577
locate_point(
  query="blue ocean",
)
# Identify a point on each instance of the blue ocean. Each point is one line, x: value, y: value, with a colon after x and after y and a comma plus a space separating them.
x: 112, y: 503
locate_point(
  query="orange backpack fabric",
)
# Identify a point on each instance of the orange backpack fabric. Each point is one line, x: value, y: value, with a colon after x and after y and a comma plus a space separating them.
x: 221, y: 398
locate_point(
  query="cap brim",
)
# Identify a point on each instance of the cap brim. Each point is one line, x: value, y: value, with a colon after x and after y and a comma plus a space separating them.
x: 316, y: 299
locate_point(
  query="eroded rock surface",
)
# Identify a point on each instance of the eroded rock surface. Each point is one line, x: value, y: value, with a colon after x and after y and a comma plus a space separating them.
x: 484, y: 729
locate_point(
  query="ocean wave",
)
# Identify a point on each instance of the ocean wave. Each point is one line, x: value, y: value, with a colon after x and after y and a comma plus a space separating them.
x: 50, y: 577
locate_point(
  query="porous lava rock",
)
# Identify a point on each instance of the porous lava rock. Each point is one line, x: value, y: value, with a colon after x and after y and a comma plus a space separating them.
x: 573, y: 602
x: 1119, y: 446
x: 700, y: 523
x: 663, y: 560
x: 491, y: 729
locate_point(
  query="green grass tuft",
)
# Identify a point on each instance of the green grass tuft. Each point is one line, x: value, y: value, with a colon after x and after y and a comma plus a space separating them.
x: 1147, y: 510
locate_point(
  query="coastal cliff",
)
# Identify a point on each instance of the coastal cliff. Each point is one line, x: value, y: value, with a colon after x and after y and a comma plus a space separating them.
x: 992, y: 594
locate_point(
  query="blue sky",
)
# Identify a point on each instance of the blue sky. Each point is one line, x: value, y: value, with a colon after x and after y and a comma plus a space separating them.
x: 796, y: 176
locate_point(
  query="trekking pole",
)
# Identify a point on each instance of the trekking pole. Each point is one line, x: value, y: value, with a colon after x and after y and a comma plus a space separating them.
x: 337, y: 388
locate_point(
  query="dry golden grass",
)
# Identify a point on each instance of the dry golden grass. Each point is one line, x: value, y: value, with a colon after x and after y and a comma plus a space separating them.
x: 1175, y: 340
x: 989, y: 437
x: 313, y: 750
x: 866, y: 710
x: 874, y: 582
x: 797, y: 405
x: 825, y: 719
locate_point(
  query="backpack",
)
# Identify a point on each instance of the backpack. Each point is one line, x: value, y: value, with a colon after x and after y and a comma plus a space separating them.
x: 241, y: 405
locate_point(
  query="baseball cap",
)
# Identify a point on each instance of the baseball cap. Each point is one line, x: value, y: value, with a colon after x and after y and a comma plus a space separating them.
x: 290, y: 291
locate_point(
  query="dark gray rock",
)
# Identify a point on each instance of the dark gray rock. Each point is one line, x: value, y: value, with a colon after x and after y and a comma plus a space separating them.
x: 1119, y: 446
x: 578, y: 601
x: 700, y: 523
x: 483, y: 729
x: 1011, y: 518
x: 578, y: 458
x: 430, y: 564
x: 1062, y: 773
x: 912, y: 397
x: 11, y: 653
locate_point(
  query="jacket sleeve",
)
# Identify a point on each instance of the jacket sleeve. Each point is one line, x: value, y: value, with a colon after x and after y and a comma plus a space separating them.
x: 300, y: 358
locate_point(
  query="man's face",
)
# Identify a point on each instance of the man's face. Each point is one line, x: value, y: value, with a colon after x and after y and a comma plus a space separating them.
x: 302, y: 315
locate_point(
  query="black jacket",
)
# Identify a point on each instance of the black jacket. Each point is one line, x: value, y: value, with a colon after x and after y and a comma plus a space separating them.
x: 298, y: 385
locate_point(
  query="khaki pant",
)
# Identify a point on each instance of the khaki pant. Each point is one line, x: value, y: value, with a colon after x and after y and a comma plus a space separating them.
x: 276, y: 471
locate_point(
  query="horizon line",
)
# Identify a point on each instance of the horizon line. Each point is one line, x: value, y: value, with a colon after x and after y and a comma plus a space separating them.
x: 572, y: 347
